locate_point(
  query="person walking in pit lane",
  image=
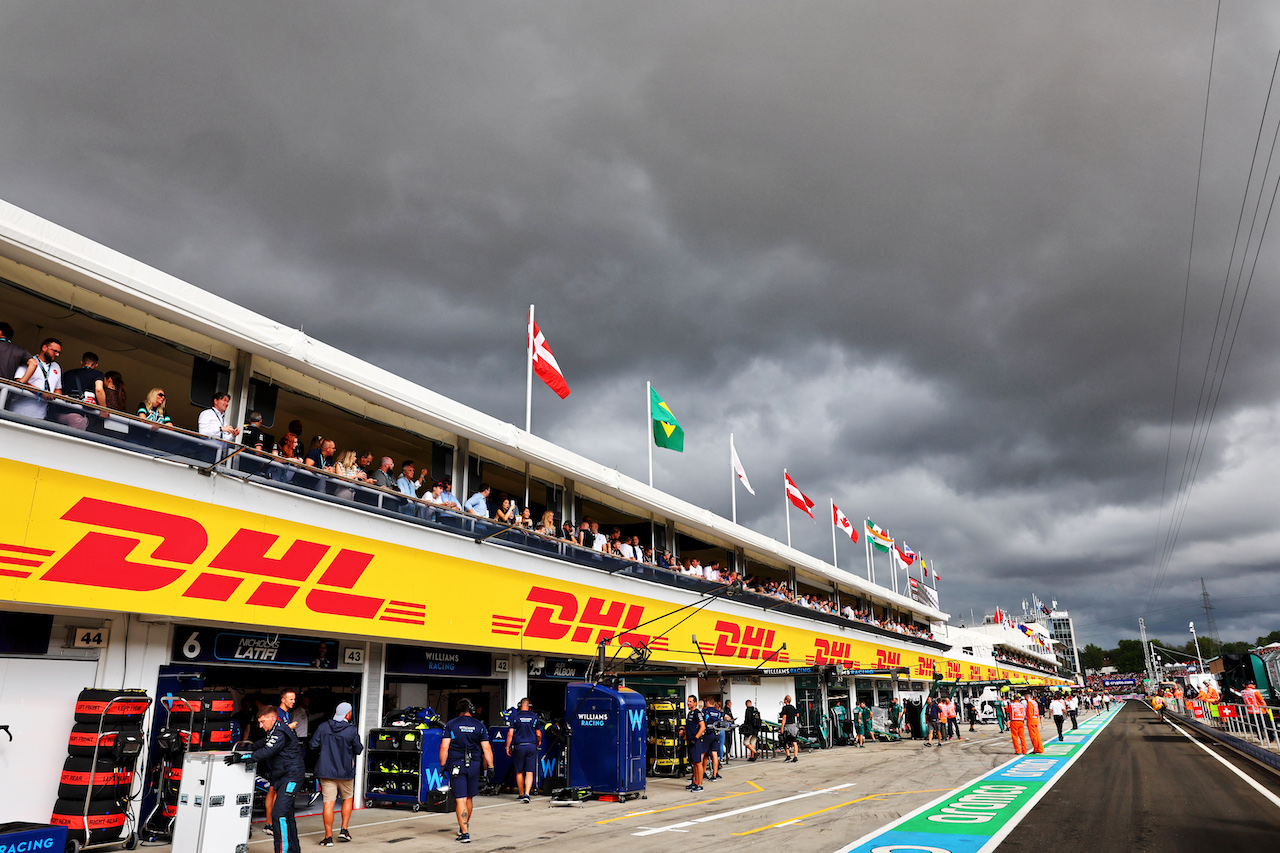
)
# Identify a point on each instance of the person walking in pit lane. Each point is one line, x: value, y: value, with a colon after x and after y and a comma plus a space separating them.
x: 695, y: 730
x: 789, y: 718
x: 524, y: 736
x: 1058, y: 709
x: 862, y: 723
x: 338, y: 744
x: 933, y: 721
x: 1073, y: 709
x: 280, y: 757
x: 751, y: 725
x: 464, y: 751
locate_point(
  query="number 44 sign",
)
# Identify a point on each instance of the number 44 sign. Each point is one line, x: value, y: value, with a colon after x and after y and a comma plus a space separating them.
x: 89, y: 638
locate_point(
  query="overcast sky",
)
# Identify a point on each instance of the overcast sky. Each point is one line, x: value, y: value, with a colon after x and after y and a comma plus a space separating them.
x: 930, y: 257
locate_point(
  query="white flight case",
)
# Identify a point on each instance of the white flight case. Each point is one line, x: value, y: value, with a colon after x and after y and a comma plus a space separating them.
x: 215, y: 805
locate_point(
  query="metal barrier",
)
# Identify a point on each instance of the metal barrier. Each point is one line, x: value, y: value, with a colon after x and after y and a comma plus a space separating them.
x: 1257, y: 726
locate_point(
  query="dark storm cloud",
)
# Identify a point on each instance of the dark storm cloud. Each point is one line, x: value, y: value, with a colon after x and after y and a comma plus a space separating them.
x: 930, y: 257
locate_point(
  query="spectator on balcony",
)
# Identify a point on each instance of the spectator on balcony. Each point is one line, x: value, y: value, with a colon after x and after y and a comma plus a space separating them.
x: 447, y: 500
x: 152, y: 408
x: 117, y: 397
x: 212, y: 422
x: 506, y: 511
x: 624, y: 548
x: 583, y: 537
x: 478, y: 504
x: 567, y: 531
x: 84, y: 383
x: 599, y: 541
x: 252, y: 435
x: 14, y: 357
x: 348, y: 465
x: 382, y: 476
x: 322, y: 455
x: 546, y: 524
x: 43, y: 374
x: 408, y: 486
x: 526, y: 519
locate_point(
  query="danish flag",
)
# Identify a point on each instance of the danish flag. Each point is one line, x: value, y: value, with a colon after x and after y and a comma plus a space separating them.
x: 545, y: 364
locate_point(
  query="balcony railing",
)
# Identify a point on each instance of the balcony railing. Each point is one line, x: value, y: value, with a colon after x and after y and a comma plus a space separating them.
x: 127, y: 432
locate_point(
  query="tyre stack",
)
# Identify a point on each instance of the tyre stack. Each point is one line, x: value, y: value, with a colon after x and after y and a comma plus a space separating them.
x: 96, y: 785
x: 201, y: 721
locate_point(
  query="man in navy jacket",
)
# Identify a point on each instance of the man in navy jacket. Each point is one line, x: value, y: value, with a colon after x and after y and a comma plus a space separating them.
x: 338, y: 743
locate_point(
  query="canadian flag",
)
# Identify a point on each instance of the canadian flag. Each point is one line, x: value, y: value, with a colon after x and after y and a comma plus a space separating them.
x: 843, y: 523
x: 797, y: 497
x: 545, y: 364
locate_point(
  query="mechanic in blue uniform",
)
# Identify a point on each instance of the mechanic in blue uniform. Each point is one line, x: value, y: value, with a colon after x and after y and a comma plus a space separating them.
x: 711, y: 714
x: 281, y: 754
x: 695, y: 730
x: 464, y: 750
x: 524, y: 736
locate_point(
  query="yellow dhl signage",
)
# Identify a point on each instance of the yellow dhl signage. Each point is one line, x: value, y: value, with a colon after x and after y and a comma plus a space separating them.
x: 75, y: 541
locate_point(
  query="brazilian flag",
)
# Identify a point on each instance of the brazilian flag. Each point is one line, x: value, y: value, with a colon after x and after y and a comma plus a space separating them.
x: 667, y: 431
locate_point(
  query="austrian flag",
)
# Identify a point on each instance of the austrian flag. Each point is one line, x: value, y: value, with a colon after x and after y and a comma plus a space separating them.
x: 797, y: 497
x: 545, y: 364
x: 843, y: 523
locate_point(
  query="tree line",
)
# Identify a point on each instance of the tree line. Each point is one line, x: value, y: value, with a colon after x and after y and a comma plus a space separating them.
x: 1127, y: 655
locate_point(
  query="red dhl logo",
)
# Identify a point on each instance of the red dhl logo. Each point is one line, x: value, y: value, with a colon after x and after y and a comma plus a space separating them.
x: 831, y: 652
x: 925, y: 665
x: 559, y: 615
x: 103, y: 560
x: 745, y: 642
x: 886, y: 658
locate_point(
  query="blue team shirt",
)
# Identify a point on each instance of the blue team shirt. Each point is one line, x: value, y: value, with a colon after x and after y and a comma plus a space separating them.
x: 525, y: 724
x: 466, y: 734
x: 691, y: 724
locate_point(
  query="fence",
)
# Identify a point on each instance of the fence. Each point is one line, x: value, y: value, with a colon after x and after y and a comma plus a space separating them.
x: 1258, y: 727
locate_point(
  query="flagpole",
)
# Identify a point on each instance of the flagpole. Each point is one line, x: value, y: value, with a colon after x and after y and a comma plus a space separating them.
x: 786, y: 505
x: 528, y: 381
x: 733, y: 480
x: 866, y: 546
x: 648, y: 410
x: 835, y: 560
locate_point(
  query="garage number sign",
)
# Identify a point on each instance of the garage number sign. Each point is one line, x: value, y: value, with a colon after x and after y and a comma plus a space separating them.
x: 213, y: 645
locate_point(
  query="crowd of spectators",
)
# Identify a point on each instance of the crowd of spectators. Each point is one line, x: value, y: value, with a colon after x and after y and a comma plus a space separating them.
x: 1019, y: 659
x: 97, y: 396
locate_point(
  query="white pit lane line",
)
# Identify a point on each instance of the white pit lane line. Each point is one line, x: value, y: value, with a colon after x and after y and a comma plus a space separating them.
x: 680, y: 827
x: 1236, y: 770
